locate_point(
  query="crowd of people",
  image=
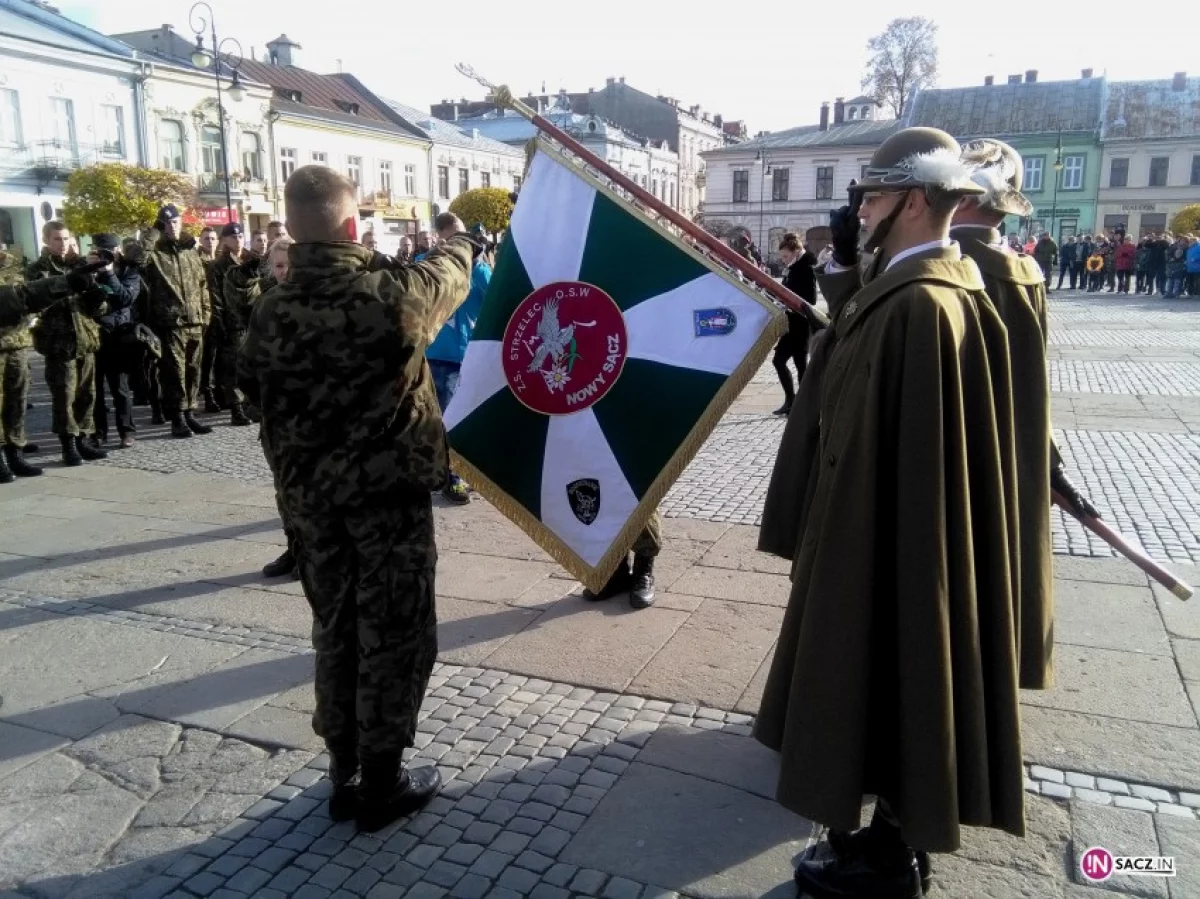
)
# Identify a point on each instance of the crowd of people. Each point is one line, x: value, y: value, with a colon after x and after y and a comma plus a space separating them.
x: 1163, y: 263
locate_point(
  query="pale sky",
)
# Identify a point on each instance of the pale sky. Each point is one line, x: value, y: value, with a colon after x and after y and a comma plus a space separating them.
x: 759, y: 62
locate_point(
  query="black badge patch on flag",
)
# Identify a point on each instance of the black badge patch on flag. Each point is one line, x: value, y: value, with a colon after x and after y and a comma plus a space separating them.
x: 584, y: 497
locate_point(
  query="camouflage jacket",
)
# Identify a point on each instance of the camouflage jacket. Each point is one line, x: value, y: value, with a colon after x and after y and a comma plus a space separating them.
x: 241, y: 290
x: 65, y: 330
x: 176, y: 283
x: 335, y: 359
x: 226, y: 314
x: 20, y: 301
x: 16, y: 337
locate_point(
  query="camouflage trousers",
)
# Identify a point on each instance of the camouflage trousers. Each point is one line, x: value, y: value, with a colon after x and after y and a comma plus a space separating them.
x: 649, y: 541
x: 179, y: 368
x: 368, y: 576
x: 225, y: 369
x: 14, y: 395
x: 72, y: 384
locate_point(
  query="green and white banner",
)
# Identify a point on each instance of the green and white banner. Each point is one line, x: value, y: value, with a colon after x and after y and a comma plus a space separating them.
x: 605, y: 353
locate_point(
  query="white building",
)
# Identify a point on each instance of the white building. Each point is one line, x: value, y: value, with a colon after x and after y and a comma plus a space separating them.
x: 790, y: 180
x: 651, y: 164
x: 69, y: 97
x: 462, y: 158
x: 330, y: 120
x: 1150, y: 162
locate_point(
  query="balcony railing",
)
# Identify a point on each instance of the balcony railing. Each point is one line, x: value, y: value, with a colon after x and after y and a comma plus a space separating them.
x: 47, y: 161
x: 239, y: 182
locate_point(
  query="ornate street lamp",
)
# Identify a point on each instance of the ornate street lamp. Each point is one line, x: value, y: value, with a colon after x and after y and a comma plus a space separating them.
x: 227, y: 52
x: 762, y: 158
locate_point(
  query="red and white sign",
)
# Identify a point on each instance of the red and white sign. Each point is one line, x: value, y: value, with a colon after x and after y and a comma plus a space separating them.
x: 216, y: 216
x: 564, y: 347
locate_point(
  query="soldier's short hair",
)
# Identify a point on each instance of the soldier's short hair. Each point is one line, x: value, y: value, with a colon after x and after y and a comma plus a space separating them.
x: 316, y: 199
x: 941, y: 203
x: 258, y: 231
x: 443, y: 221
x: 208, y: 228
x: 53, y: 227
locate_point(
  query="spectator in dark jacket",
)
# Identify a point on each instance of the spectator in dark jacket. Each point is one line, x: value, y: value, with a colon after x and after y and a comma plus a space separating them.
x: 801, y: 279
x: 1156, y: 264
x: 119, y: 352
x: 1067, y: 263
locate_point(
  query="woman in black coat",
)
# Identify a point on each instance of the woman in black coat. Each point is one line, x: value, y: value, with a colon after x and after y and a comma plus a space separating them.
x: 800, y: 279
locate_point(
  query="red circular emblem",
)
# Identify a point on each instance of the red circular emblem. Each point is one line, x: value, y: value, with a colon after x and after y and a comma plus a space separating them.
x: 564, y: 347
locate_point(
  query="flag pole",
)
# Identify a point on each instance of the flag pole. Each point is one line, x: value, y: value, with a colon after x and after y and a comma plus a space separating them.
x: 1178, y: 588
x: 502, y: 96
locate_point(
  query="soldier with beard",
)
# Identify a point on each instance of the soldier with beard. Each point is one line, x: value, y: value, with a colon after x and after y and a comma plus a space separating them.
x: 894, y: 675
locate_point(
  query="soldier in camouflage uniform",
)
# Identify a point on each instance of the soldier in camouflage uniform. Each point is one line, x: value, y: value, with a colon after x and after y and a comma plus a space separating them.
x: 179, y: 311
x: 227, y: 326
x: 208, y: 246
x: 15, y: 342
x: 243, y: 286
x: 68, y: 336
x: 334, y: 358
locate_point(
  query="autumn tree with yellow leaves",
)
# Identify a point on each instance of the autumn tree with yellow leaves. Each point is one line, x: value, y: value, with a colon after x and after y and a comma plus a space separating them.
x: 120, y: 198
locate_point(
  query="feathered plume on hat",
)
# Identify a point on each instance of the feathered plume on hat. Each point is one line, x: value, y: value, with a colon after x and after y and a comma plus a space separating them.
x: 999, y: 170
x: 939, y: 168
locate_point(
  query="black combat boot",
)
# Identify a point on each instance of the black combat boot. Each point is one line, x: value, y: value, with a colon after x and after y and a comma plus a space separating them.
x: 6, y: 475
x: 343, y: 801
x: 846, y: 844
x: 210, y: 401
x: 88, y: 450
x: 285, y: 564
x: 30, y: 448
x: 156, y: 417
x: 196, y: 427
x: 70, y: 451
x: 620, y: 582
x: 641, y: 592
x: 179, y: 427
x: 237, y: 415
x: 15, y: 458
x: 859, y: 877
x: 389, y: 791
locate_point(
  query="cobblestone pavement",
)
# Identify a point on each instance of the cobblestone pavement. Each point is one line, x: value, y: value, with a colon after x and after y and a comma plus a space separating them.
x: 1141, y: 378
x: 146, y: 808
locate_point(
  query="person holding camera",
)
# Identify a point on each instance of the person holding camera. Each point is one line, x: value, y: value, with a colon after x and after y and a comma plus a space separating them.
x: 68, y: 336
x: 119, y: 351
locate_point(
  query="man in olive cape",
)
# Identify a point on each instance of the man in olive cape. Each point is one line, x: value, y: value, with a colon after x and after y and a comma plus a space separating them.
x: 895, y: 672
x: 1016, y: 287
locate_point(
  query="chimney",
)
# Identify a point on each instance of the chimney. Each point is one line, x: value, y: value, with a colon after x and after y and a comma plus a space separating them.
x: 591, y: 90
x: 610, y: 81
x: 825, y: 116
x: 283, y: 51
x: 718, y: 121
x: 1086, y: 74
x: 164, y: 35
x: 622, y: 79
x: 839, y: 110
x: 1179, y: 82
x: 989, y: 80
x: 1031, y: 76
x: 454, y: 111
x: 1014, y: 79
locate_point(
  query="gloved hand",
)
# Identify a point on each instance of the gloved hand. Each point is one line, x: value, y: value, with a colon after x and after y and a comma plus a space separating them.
x: 1062, y: 484
x: 844, y: 228
x: 94, y: 300
x: 478, y: 245
x: 82, y: 277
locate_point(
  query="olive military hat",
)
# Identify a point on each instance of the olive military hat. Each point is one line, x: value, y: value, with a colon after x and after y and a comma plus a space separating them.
x: 1000, y: 171
x: 918, y: 157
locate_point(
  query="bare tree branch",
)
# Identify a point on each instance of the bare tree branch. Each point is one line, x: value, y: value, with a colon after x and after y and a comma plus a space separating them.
x: 904, y: 57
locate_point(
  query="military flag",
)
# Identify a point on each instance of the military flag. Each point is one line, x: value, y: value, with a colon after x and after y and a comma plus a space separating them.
x: 605, y: 353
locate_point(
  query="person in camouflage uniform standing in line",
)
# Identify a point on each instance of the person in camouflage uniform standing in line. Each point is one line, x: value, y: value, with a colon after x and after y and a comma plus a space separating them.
x: 243, y: 286
x: 68, y: 336
x: 208, y: 247
x: 227, y: 325
x: 15, y: 342
x: 179, y: 311
x: 334, y: 358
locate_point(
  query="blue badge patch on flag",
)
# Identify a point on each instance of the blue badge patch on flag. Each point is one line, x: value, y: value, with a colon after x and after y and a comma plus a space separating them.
x: 714, y: 322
